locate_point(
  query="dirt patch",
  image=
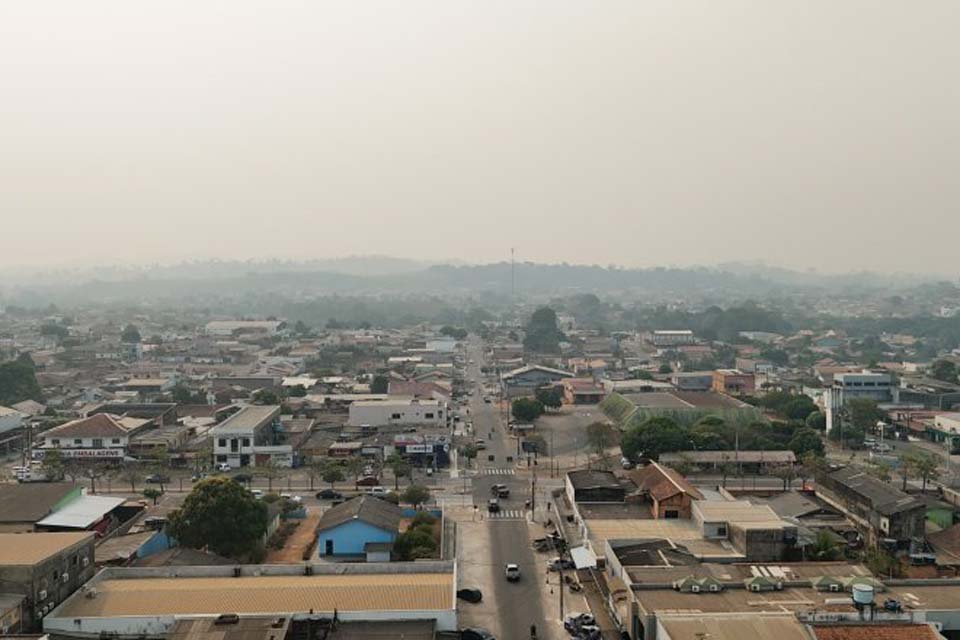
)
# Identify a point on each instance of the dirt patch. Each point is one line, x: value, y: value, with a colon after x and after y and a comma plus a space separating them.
x: 302, y: 538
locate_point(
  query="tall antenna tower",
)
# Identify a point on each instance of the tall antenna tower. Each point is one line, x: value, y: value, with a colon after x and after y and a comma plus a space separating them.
x: 513, y: 278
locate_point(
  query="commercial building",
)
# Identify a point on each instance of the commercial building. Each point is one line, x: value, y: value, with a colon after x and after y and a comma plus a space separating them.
x: 671, y: 337
x: 101, y: 436
x: 398, y: 411
x: 582, y: 391
x: 880, y: 510
x: 250, y: 438
x: 586, y: 486
x: 525, y: 381
x: 733, y: 381
x: 11, y: 419
x: 44, y: 568
x: 847, y: 386
x: 22, y: 506
x: 670, y: 493
x: 151, y: 601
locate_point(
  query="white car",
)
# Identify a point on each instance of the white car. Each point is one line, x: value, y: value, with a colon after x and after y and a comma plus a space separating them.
x: 223, y: 466
x: 512, y: 571
x: 377, y: 491
x: 257, y: 493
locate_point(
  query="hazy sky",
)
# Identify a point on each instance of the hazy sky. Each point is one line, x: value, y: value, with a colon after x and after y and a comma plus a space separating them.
x: 805, y: 133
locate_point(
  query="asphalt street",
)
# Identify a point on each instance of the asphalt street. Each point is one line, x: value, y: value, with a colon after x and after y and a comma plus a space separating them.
x: 520, y: 602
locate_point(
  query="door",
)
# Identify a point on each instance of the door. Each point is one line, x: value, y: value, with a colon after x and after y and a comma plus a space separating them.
x: 328, y: 548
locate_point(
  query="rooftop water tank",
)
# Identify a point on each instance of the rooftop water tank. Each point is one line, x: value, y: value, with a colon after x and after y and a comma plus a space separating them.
x: 862, y: 594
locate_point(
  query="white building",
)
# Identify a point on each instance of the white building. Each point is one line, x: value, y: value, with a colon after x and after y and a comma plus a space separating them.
x: 100, y: 436
x: 671, y: 337
x: 406, y: 411
x: 231, y: 327
x: 249, y: 438
x: 847, y: 386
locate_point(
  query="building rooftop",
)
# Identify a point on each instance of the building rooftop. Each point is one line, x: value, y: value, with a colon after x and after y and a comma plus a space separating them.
x: 589, y: 479
x: 885, y: 498
x: 100, y: 425
x: 741, y: 513
x: 662, y: 482
x: 373, y: 511
x: 32, y: 502
x: 264, y: 594
x: 24, y: 549
x: 247, y: 419
x: 876, y: 632
x: 745, y: 627
x: 83, y: 512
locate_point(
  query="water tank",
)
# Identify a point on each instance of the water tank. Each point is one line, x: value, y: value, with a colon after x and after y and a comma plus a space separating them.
x: 862, y: 594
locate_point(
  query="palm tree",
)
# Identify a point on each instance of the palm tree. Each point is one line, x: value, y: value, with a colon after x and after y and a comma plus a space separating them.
x: 928, y: 468
x: 906, y: 469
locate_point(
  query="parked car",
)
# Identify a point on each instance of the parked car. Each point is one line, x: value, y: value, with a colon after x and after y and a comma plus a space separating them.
x: 493, y: 505
x: 470, y: 595
x: 368, y: 481
x: 291, y: 497
x: 574, y: 621
x: 480, y: 445
x: 223, y: 466
x: 476, y: 634
x: 882, y: 447
x: 329, y: 494
x: 512, y: 571
x: 257, y: 493
x: 197, y: 477
x: 243, y: 478
x: 157, y: 478
x: 377, y: 491
x: 625, y: 463
x: 556, y: 564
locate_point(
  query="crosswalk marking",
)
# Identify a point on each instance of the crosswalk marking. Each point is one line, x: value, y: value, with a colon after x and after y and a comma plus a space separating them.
x: 492, y: 471
x: 508, y: 514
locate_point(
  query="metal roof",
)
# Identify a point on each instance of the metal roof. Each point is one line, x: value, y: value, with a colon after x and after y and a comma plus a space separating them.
x: 82, y: 512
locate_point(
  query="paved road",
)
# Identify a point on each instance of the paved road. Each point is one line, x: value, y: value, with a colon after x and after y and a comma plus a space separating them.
x: 520, y: 603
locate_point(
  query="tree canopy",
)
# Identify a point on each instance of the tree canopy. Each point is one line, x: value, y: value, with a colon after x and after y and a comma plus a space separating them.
x: 527, y: 410
x: 542, y: 333
x: 130, y: 334
x: 222, y: 515
x: 18, y: 382
x: 944, y: 370
x: 379, y: 384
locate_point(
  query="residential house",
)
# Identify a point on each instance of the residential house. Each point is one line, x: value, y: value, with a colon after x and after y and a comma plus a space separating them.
x: 733, y: 381
x: 671, y: 494
x: 526, y: 380
x: 349, y: 529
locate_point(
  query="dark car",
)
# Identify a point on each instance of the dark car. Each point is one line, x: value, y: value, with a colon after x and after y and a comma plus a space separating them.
x: 476, y: 634
x: 493, y: 505
x: 470, y: 595
x: 156, y: 478
x: 329, y: 494
x: 243, y: 477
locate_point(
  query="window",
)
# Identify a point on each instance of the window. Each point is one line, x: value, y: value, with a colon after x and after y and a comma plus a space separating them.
x: 115, y: 441
x: 73, y: 560
x: 722, y: 531
x: 56, y: 575
x: 395, y: 416
x: 77, y: 441
x: 55, y: 441
x: 222, y: 442
x: 246, y: 442
x: 428, y: 416
x: 98, y: 443
x: 671, y: 514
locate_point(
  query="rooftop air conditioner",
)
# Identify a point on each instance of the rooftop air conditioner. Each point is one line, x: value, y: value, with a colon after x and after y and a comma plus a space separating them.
x: 66, y: 577
x: 835, y: 588
x: 42, y: 595
x: 695, y: 588
x: 714, y: 588
x: 755, y: 588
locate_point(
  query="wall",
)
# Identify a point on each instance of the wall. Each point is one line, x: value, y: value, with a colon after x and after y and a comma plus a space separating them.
x: 350, y: 538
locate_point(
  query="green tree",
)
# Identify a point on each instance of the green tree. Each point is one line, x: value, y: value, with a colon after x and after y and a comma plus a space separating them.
x: 333, y: 474
x: 379, y: 384
x: 414, y: 543
x: 665, y: 368
x: 54, y: 330
x: 526, y: 410
x: 785, y: 472
x: 864, y: 413
x: 271, y: 471
x: 399, y: 467
x: 601, y: 436
x: 130, y: 335
x: 469, y: 452
x: 542, y: 334
x: 315, y: 470
x: 944, y: 370
x: 537, y: 442
x: 813, y: 465
x: 18, y: 382
x: 221, y: 515
x: 550, y: 397
x: 53, y: 465
x: 354, y: 467
x: 161, y: 464
x: 926, y: 466
x: 416, y: 494
x: 152, y: 493
x: 130, y: 473
x: 805, y: 439
x: 825, y: 547
x: 881, y: 471
x: 652, y: 437
x: 816, y: 420
x: 266, y: 397
x: 296, y: 391
x: 907, y: 469
x: 453, y: 332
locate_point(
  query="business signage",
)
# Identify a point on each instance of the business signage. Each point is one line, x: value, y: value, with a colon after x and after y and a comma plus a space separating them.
x: 82, y: 453
x: 419, y: 448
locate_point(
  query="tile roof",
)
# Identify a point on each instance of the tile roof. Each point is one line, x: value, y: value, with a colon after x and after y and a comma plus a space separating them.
x: 23, y: 549
x: 379, y: 513
x: 877, y: 632
x: 264, y: 595
x: 662, y: 482
x: 100, y: 425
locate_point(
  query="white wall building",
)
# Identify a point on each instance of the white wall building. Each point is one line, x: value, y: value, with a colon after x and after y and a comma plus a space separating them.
x: 10, y: 419
x: 407, y: 411
x: 248, y: 438
x: 847, y: 386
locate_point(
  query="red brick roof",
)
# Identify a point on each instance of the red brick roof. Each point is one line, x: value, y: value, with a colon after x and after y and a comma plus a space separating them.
x: 877, y: 632
x: 100, y: 425
x: 662, y: 482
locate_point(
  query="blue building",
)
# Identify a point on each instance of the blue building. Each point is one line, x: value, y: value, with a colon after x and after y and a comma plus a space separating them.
x: 351, y: 529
